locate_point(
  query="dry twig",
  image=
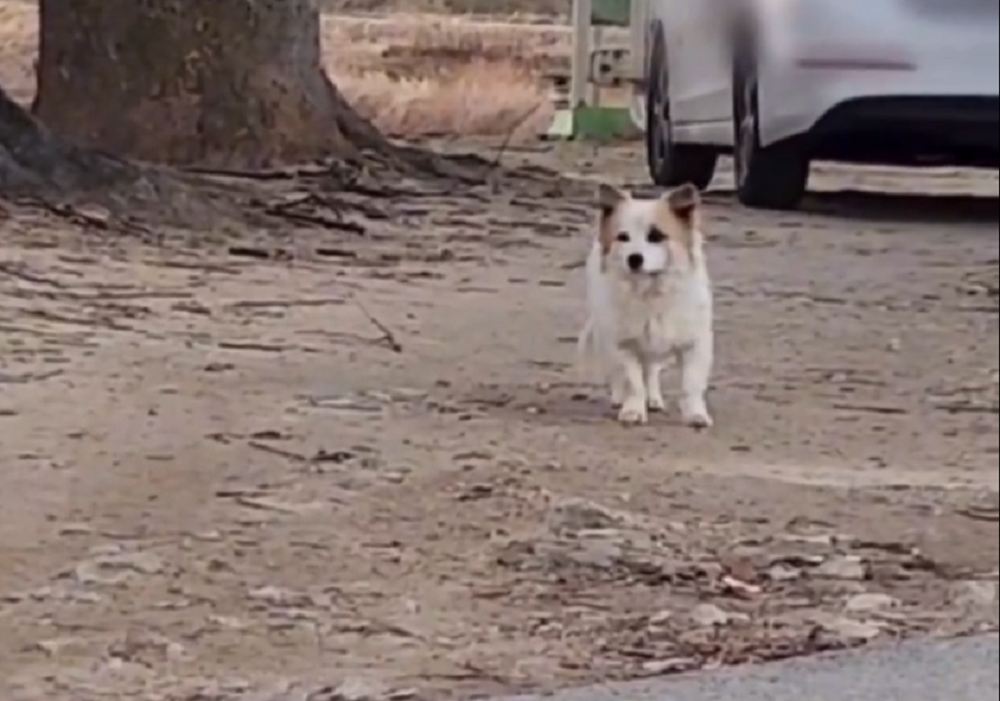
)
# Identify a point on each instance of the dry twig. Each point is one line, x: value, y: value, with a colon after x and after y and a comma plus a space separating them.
x: 387, y: 338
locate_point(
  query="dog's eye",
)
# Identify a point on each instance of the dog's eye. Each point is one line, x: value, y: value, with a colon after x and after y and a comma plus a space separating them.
x: 623, y: 237
x: 655, y: 236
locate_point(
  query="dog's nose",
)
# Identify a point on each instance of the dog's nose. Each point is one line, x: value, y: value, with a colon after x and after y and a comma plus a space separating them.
x: 634, y: 261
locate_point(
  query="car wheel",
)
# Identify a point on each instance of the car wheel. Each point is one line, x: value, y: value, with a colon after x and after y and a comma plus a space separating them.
x: 670, y: 164
x: 772, y: 177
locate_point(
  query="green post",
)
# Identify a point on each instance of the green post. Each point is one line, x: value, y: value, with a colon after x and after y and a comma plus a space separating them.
x: 577, y: 118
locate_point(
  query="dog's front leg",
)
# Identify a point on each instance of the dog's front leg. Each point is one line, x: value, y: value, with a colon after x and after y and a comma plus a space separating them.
x: 696, y: 369
x: 618, y: 384
x: 634, y: 401
x: 654, y: 392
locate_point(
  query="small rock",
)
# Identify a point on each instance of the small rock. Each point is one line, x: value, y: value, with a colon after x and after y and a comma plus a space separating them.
x: 276, y: 596
x: 799, y: 560
x: 82, y: 597
x: 475, y: 492
x: 814, y: 539
x: 295, y: 614
x: 106, y: 549
x: 230, y: 622
x: 708, y: 615
x: 303, y: 599
x: 599, y: 554
x: 849, y: 567
x: 783, y: 573
x: 146, y: 647
x: 56, y: 646
x: 671, y: 665
x: 975, y: 593
x: 372, y: 404
x: 354, y: 690
x: 850, y: 630
x: 579, y: 514
x: 114, y: 569
x: 660, y: 618
x: 94, y: 214
x: 739, y: 567
x: 871, y: 601
x: 407, y: 394
x: 403, y: 695
x: 207, y: 536
x: 739, y: 588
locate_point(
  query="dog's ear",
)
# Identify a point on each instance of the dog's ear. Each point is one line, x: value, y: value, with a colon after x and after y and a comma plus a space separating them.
x: 682, y: 207
x: 684, y: 202
x: 608, y: 199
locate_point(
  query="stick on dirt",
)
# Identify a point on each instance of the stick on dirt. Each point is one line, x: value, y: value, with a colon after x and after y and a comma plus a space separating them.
x: 388, y: 337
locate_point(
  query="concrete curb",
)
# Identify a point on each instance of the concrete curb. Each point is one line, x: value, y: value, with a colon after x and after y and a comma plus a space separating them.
x: 966, y: 669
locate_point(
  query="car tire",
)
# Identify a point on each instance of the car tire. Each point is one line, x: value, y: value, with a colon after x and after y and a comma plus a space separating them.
x: 670, y: 164
x: 766, y: 177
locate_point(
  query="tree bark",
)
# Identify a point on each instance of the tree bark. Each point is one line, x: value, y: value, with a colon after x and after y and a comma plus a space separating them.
x: 35, y: 162
x: 216, y: 83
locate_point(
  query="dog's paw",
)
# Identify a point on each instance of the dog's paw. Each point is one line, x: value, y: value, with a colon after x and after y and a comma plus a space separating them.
x: 617, y: 395
x: 655, y: 402
x: 698, y: 419
x: 694, y: 412
x: 633, y: 413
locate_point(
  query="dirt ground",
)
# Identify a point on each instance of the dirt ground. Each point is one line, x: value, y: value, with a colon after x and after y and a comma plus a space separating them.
x: 223, y: 475
x: 366, y: 467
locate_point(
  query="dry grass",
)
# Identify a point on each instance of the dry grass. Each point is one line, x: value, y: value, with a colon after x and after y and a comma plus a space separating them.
x: 417, y: 75
x: 18, y: 45
x: 494, y: 8
x: 412, y: 74
x: 480, y: 99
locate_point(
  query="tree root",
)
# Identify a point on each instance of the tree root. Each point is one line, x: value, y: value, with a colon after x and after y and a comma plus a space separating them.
x: 35, y: 163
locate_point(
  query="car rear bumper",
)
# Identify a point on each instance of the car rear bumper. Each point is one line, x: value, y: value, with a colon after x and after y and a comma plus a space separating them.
x: 910, y: 130
x: 883, y: 114
x: 958, y: 113
x: 795, y: 100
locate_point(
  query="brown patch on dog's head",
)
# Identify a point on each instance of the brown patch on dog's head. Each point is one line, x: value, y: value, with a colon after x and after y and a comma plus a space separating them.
x: 680, y: 215
x: 684, y: 201
x: 609, y: 201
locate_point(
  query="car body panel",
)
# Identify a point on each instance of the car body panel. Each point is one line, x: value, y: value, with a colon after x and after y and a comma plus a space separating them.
x: 818, y: 54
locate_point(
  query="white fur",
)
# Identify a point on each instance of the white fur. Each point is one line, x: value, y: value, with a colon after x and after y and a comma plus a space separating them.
x: 641, y: 320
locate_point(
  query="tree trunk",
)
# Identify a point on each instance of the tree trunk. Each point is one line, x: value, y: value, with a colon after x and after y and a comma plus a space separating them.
x: 217, y: 83
x: 34, y: 162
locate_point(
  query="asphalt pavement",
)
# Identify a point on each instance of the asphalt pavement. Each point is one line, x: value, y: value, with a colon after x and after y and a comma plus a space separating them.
x: 966, y: 669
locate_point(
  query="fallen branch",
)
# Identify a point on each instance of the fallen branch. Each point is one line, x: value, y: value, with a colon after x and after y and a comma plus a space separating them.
x: 289, y: 209
x: 251, y: 346
x: 286, y: 303
x: 29, y: 377
x: 871, y: 408
x: 969, y: 408
x: 21, y: 272
x: 495, y: 164
x: 388, y: 337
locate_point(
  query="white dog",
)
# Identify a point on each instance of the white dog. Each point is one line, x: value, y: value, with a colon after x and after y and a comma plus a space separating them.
x: 650, y: 301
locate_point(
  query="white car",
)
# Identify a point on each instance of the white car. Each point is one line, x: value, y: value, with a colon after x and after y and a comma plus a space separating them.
x: 779, y: 83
